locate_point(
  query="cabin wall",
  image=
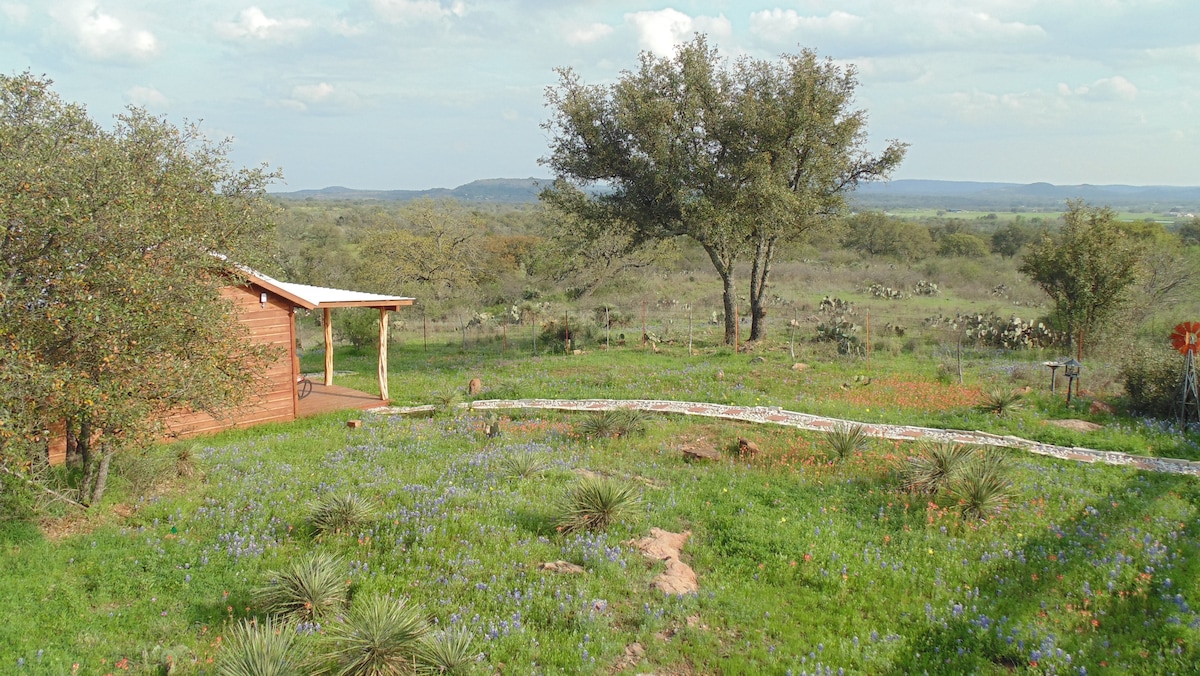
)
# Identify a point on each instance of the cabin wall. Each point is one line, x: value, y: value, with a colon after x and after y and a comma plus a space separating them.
x: 270, y: 324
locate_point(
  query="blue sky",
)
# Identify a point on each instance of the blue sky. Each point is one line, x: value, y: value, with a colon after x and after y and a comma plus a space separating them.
x: 415, y: 94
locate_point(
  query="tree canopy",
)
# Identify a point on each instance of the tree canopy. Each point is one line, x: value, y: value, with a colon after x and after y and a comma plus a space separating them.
x: 739, y: 157
x: 110, y: 310
x: 1087, y: 268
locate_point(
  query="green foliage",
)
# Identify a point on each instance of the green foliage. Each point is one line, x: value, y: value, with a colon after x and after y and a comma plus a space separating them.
x: 935, y: 467
x: 451, y: 652
x: 622, y: 422
x: 358, y: 326
x: 524, y: 464
x: 962, y: 244
x: 380, y: 635
x: 877, y: 234
x: 1001, y: 401
x: 1087, y: 268
x: 111, y: 305
x: 846, y: 441
x: 982, y: 487
x: 338, y: 512
x: 1153, y: 378
x: 308, y: 587
x: 993, y: 330
x: 695, y: 148
x: 1009, y: 239
x: 595, y: 503
x: 260, y: 648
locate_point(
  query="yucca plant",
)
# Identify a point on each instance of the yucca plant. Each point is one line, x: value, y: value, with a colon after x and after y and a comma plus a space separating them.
x: 843, y: 441
x: 595, y: 503
x: 307, y: 588
x: 523, y: 464
x: 450, y: 652
x: 260, y: 648
x: 341, y: 512
x: 982, y: 487
x: 1001, y: 401
x: 616, y: 423
x: 380, y: 635
x: 938, y: 463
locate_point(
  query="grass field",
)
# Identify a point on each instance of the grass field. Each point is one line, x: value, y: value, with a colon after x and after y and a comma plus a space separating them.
x: 805, y: 564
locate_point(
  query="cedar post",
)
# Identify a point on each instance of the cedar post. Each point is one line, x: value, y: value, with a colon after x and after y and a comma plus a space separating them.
x: 328, y: 347
x: 383, y: 356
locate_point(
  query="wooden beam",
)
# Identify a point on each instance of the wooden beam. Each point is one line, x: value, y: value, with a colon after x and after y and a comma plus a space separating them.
x: 383, y: 348
x: 328, y: 347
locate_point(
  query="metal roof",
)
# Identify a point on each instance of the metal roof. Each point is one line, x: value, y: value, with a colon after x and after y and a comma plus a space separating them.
x: 314, y: 297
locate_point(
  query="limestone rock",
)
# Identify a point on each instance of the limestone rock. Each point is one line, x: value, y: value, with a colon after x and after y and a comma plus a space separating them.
x: 475, y: 386
x: 799, y: 366
x: 1076, y: 425
x: 699, y: 449
x: 747, y: 448
x: 678, y: 578
x: 562, y: 567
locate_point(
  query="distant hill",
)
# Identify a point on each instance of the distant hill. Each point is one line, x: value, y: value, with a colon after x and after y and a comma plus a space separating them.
x: 972, y: 195
x: 504, y: 190
x: 907, y: 193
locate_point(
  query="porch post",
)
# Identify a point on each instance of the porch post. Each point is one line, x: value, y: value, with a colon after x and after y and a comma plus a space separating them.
x: 328, y: 348
x: 383, y: 347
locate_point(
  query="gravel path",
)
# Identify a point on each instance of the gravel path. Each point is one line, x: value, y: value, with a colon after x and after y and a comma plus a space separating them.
x: 774, y: 415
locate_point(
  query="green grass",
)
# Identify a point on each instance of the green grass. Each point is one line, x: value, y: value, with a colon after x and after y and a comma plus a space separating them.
x: 803, y: 563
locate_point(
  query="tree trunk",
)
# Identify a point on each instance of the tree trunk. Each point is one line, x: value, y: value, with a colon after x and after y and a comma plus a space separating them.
x: 106, y: 453
x: 759, y: 275
x: 83, y: 442
x: 724, y: 267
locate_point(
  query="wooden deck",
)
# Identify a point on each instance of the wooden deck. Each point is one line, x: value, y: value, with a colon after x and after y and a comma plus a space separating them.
x: 326, y: 399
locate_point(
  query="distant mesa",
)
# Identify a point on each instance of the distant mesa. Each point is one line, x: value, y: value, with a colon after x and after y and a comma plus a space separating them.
x: 951, y: 196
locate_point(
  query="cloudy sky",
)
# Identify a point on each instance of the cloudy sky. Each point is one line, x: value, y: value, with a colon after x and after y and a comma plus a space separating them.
x: 414, y: 94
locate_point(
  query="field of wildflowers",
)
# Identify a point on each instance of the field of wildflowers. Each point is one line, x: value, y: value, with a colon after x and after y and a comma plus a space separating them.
x: 806, y: 566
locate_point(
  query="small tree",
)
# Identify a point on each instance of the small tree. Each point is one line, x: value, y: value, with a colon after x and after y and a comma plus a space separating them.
x: 1086, y: 268
x: 110, y: 304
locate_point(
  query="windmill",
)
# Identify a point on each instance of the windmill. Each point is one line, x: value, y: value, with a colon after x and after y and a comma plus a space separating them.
x: 1186, y: 340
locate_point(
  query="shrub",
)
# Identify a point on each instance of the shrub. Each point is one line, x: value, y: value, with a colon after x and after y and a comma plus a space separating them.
x: 334, y: 513
x: 308, y: 588
x: 1153, y: 379
x: 380, y: 635
x: 623, y: 422
x: 937, y: 465
x: 595, y: 503
x: 982, y: 487
x: 523, y: 464
x: 448, y: 652
x: 843, y: 441
x: 259, y: 648
x: 1001, y: 401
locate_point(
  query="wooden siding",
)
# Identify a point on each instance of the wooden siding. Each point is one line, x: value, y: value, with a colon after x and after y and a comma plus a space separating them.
x: 270, y: 324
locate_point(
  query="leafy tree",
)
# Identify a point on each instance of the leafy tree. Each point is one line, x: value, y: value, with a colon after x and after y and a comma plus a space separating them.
x: 1189, y: 233
x: 110, y: 305
x: 962, y: 244
x: 877, y: 234
x: 1009, y: 239
x: 1086, y: 268
x: 739, y: 158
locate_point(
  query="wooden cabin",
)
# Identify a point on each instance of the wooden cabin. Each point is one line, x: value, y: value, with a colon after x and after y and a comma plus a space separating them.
x: 268, y: 307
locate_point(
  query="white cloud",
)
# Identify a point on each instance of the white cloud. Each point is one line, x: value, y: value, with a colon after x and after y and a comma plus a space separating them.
x: 403, y: 11
x: 1115, y: 88
x: 312, y: 93
x: 780, y: 24
x: 15, y: 12
x: 146, y: 97
x: 589, y: 34
x: 104, y: 36
x: 660, y: 31
x: 253, y: 24
x: 510, y: 115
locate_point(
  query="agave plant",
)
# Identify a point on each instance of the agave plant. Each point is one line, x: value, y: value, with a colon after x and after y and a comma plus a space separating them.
x: 982, y: 487
x: 938, y: 464
x: 309, y: 587
x: 259, y: 648
x: 449, y: 652
x: 340, y: 512
x: 1001, y: 400
x: 595, y: 503
x: 843, y: 441
x: 380, y: 635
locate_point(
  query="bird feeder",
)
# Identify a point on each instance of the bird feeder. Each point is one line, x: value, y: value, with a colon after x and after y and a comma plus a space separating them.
x: 1053, y: 366
x: 1071, y: 369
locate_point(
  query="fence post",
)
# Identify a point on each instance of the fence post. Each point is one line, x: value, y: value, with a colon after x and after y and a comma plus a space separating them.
x: 567, y: 332
x: 643, y: 325
x: 607, y: 330
x: 424, y: 328
x: 689, y: 330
